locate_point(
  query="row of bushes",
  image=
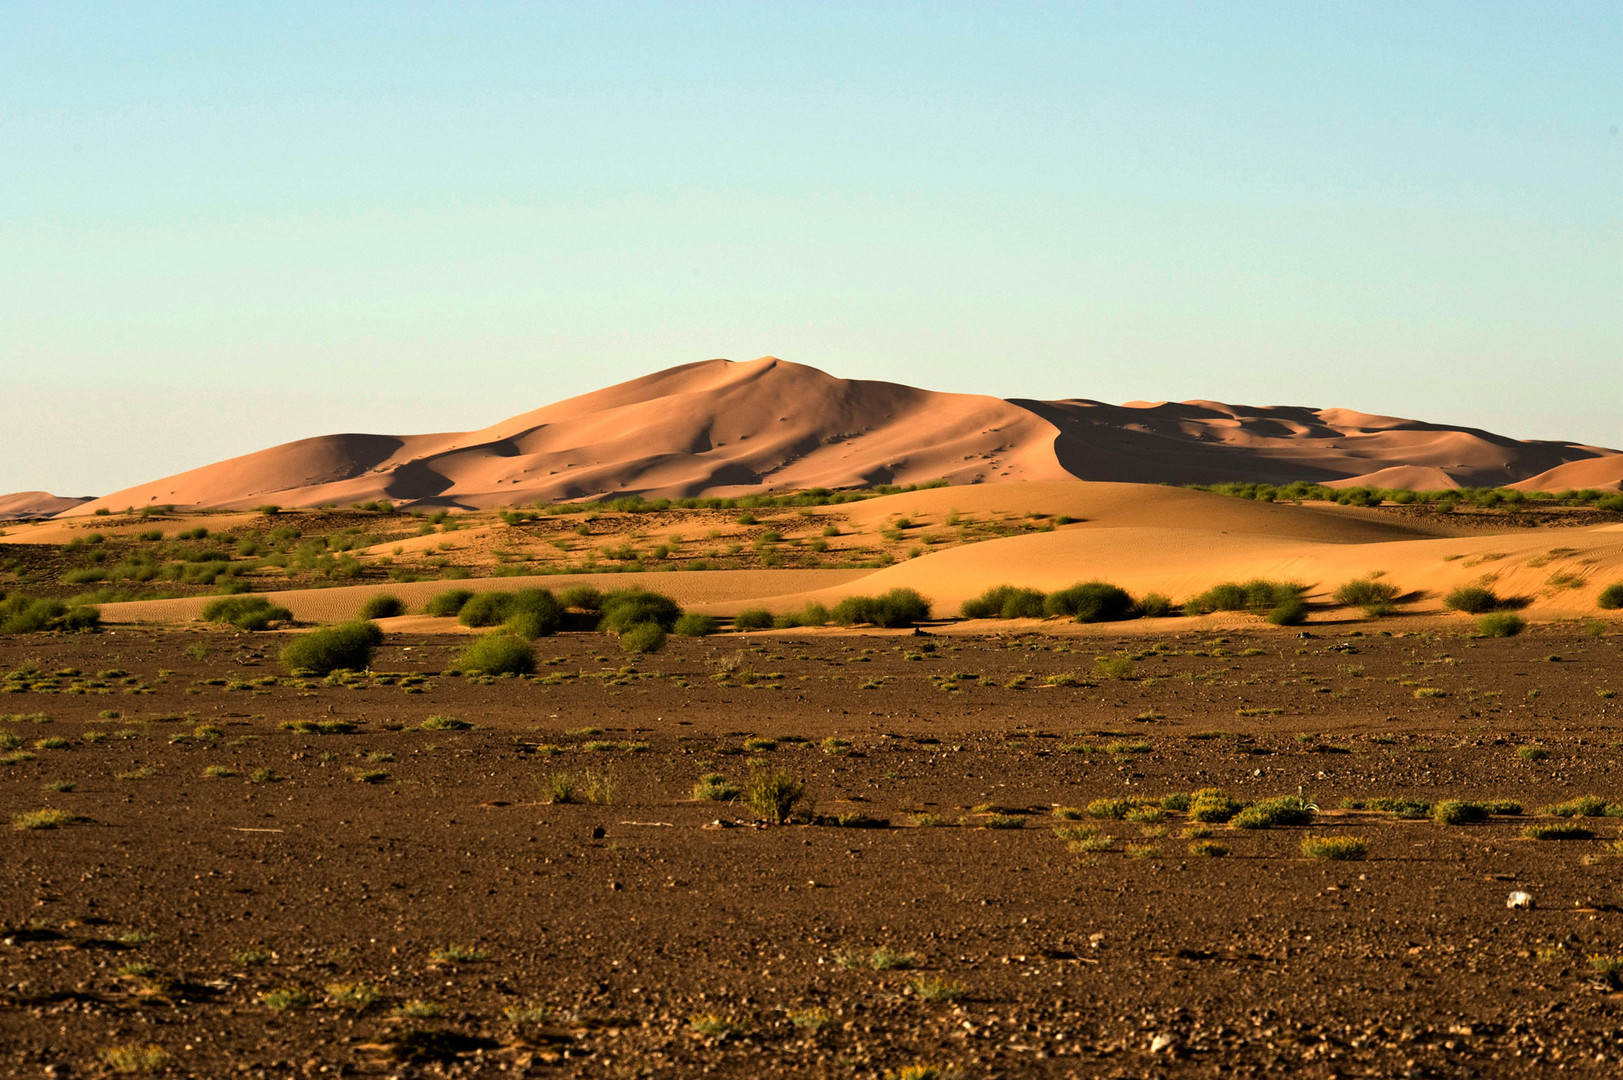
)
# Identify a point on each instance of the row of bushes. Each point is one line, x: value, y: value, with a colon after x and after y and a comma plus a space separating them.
x: 1100, y: 601
x: 1445, y: 499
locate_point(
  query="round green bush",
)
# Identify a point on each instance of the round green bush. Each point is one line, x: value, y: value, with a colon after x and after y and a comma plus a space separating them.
x: 245, y: 612
x: 347, y: 645
x: 448, y: 602
x: 1153, y: 606
x: 1611, y: 597
x: 626, y: 608
x: 1366, y: 593
x: 530, y: 613
x: 896, y: 608
x: 692, y: 625
x: 497, y: 653
x: 1473, y: 600
x: 583, y: 597
x: 1500, y: 624
x: 1090, y: 601
x: 383, y: 606
x: 645, y: 637
x: 1289, y: 612
x: 753, y: 619
x: 1004, y: 602
x: 484, y: 609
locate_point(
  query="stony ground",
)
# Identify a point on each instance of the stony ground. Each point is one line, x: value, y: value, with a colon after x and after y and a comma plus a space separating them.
x: 387, y: 892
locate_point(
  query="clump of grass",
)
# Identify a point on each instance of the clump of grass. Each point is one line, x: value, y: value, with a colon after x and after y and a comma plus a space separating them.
x: 528, y: 1014
x: 647, y: 637
x: 760, y: 745
x: 932, y: 988
x: 1532, y: 753
x: 896, y: 608
x: 836, y: 747
x: 1089, y: 602
x: 772, y: 793
x: 715, y: 787
x: 345, y: 646
x: 1091, y: 845
x: 1279, y: 601
x: 357, y: 996
x: 1004, y: 602
x: 134, y: 1059
x: 1004, y: 821
x: 753, y: 619
x: 1473, y: 600
x: 883, y: 959
x: 1212, y: 805
x: 287, y: 999
x: 1068, y: 813
x: 1456, y: 812
x: 1208, y: 849
x: 1109, y: 809
x: 382, y: 606
x: 716, y: 1026
x: 1497, y: 624
x: 447, y: 603
x: 811, y: 1019
x: 219, y: 772
x: 1336, y: 848
x: 445, y: 723
x: 1582, y: 806
x: 497, y: 653
x: 695, y: 625
x: 418, y: 1009
x: 459, y: 954
x: 252, y: 957
x: 924, y: 1071
x: 62, y: 786
x: 1375, y: 597
x: 928, y: 821
x: 1563, y: 831
x: 1267, y: 813
x: 1611, y: 597
x: 43, y: 819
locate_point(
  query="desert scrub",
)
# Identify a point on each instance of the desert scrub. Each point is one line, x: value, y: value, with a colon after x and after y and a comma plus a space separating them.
x: 21, y: 614
x: 42, y: 819
x: 811, y: 1019
x: 357, y: 996
x: 753, y: 619
x: 134, y: 1059
x: 345, y: 646
x: 1611, y: 597
x: 1582, y: 806
x: 1473, y: 600
x: 1212, y: 806
x: 715, y: 787
x: 447, y: 603
x: 880, y: 959
x: 772, y: 793
x: 1564, y: 831
x: 896, y: 608
x: 715, y: 1026
x: 1208, y: 849
x: 1336, y: 848
x: 624, y: 609
x: 1279, y: 601
x: 287, y: 999
x: 933, y: 988
x: 1004, y: 602
x: 1110, y: 809
x: 1498, y: 624
x: 1532, y: 753
x: 497, y: 653
x: 1089, y: 602
x: 924, y: 1071
x: 1373, y: 596
x: 648, y: 637
x: 1267, y: 813
x: 1456, y: 812
x: 1004, y: 821
x: 445, y: 723
x: 382, y: 606
x: 694, y: 625
x: 459, y: 954
x: 245, y: 612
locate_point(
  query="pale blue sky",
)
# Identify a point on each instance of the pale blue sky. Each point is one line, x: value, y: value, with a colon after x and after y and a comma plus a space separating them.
x: 224, y: 226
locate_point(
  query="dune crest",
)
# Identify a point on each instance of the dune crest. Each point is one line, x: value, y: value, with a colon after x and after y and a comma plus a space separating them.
x: 717, y: 427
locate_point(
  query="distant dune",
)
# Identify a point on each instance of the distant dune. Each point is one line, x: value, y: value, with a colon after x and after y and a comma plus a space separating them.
x: 35, y: 504
x: 724, y: 428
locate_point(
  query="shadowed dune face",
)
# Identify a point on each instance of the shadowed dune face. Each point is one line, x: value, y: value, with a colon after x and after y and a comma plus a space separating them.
x: 35, y: 504
x: 723, y: 428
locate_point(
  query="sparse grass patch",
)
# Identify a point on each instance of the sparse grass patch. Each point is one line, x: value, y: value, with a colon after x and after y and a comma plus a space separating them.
x: 1336, y: 848
x: 1212, y: 806
x: 715, y: 787
x: 1267, y: 813
x: 772, y: 793
x: 357, y: 996
x: 716, y: 1026
x: 1208, y: 849
x: 932, y: 988
x: 287, y: 999
x: 1563, y: 831
x: 1532, y: 753
x: 459, y: 954
x: 43, y: 819
x: 1500, y: 624
x: 134, y: 1059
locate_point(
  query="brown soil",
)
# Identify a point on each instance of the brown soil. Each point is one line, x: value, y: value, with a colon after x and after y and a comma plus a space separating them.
x: 626, y: 921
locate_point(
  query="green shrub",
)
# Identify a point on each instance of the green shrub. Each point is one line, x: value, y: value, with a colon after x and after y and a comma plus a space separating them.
x: 1564, y: 831
x: 1455, y: 812
x: 648, y: 637
x: 526, y: 613
x: 1258, y: 596
x: 1153, y: 606
x: 383, y: 606
x: 813, y: 614
x: 1374, y: 596
x: 1336, y: 848
x: 624, y: 609
x: 1266, y: 813
x: 1611, y: 597
x: 582, y: 597
x: 347, y: 645
x: 1500, y: 624
x: 753, y: 619
x: 772, y: 793
x: 1090, y: 601
x: 1473, y: 600
x: 1004, y: 602
x: 1288, y: 612
x: 692, y: 625
x: 245, y: 612
x: 448, y: 602
x: 21, y: 614
x: 899, y: 607
x: 1212, y: 805
x: 497, y: 653
x: 1109, y: 809
x: 1582, y: 806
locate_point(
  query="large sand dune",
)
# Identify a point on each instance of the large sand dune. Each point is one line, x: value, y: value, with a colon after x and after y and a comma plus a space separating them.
x: 723, y: 428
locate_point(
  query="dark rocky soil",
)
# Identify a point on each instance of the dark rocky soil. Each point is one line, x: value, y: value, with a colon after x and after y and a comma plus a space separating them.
x: 597, y: 939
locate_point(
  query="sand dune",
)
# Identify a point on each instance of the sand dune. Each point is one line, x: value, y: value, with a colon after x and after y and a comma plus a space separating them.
x: 35, y: 504
x: 723, y: 428
x: 1602, y: 472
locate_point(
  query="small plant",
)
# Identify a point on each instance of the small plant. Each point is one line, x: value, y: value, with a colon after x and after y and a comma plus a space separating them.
x: 219, y: 772
x: 321, y: 652
x: 445, y: 723
x: 882, y: 959
x: 715, y: 1026
x: 715, y: 787
x: 252, y: 957
x: 1455, y: 812
x: 1005, y: 821
x: 135, y: 1059
x: 1582, y: 806
x: 1532, y: 753
x: 1611, y: 597
x: 447, y: 603
x: 62, y: 786
x: 559, y: 787
x: 694, y: 625
x: 245, y: 612
x: 1267, y: 813
x: 287, y: 999
x: 811, y: 1019
x: 1212, y: 806
x: 1109, y: 809
x: 1563, y: 831
x: 753, y: 619
x: 357, y: 996
x: 931, y: 988
x: 647, y: 637
x: 772, y: 793
x: 382, y: 606
x: 1371, y: 594
x: 1473, y: 600
x: 1208, y: 849
x: 1336, y: 848
x: 497, y: 653
x: 1497, y: 624
x: 459, y: 954
x: 418, y: 1009
x: 760, y: 745
x: 43, y: 819
x: 921, y: 1071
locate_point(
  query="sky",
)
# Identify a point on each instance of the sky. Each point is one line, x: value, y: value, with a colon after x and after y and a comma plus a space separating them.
x: 226, y: 226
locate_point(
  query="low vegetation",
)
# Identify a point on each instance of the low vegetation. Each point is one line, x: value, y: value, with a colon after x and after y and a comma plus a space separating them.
x: 499, y: 652
x: 896, y: 608
x: 245, y: 612
x: 1280, y: 602
x: 347, y: 646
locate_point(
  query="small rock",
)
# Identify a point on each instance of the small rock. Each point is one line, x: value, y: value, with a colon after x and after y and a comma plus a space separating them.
x: 1519, y: 899
x: 598, y: 832
x: 1163, y: 1043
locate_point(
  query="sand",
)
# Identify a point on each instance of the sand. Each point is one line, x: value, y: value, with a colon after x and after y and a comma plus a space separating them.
x: 722, y: 428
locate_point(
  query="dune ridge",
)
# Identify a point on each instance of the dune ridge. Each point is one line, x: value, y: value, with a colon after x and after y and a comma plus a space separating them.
x: 717, y: 427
